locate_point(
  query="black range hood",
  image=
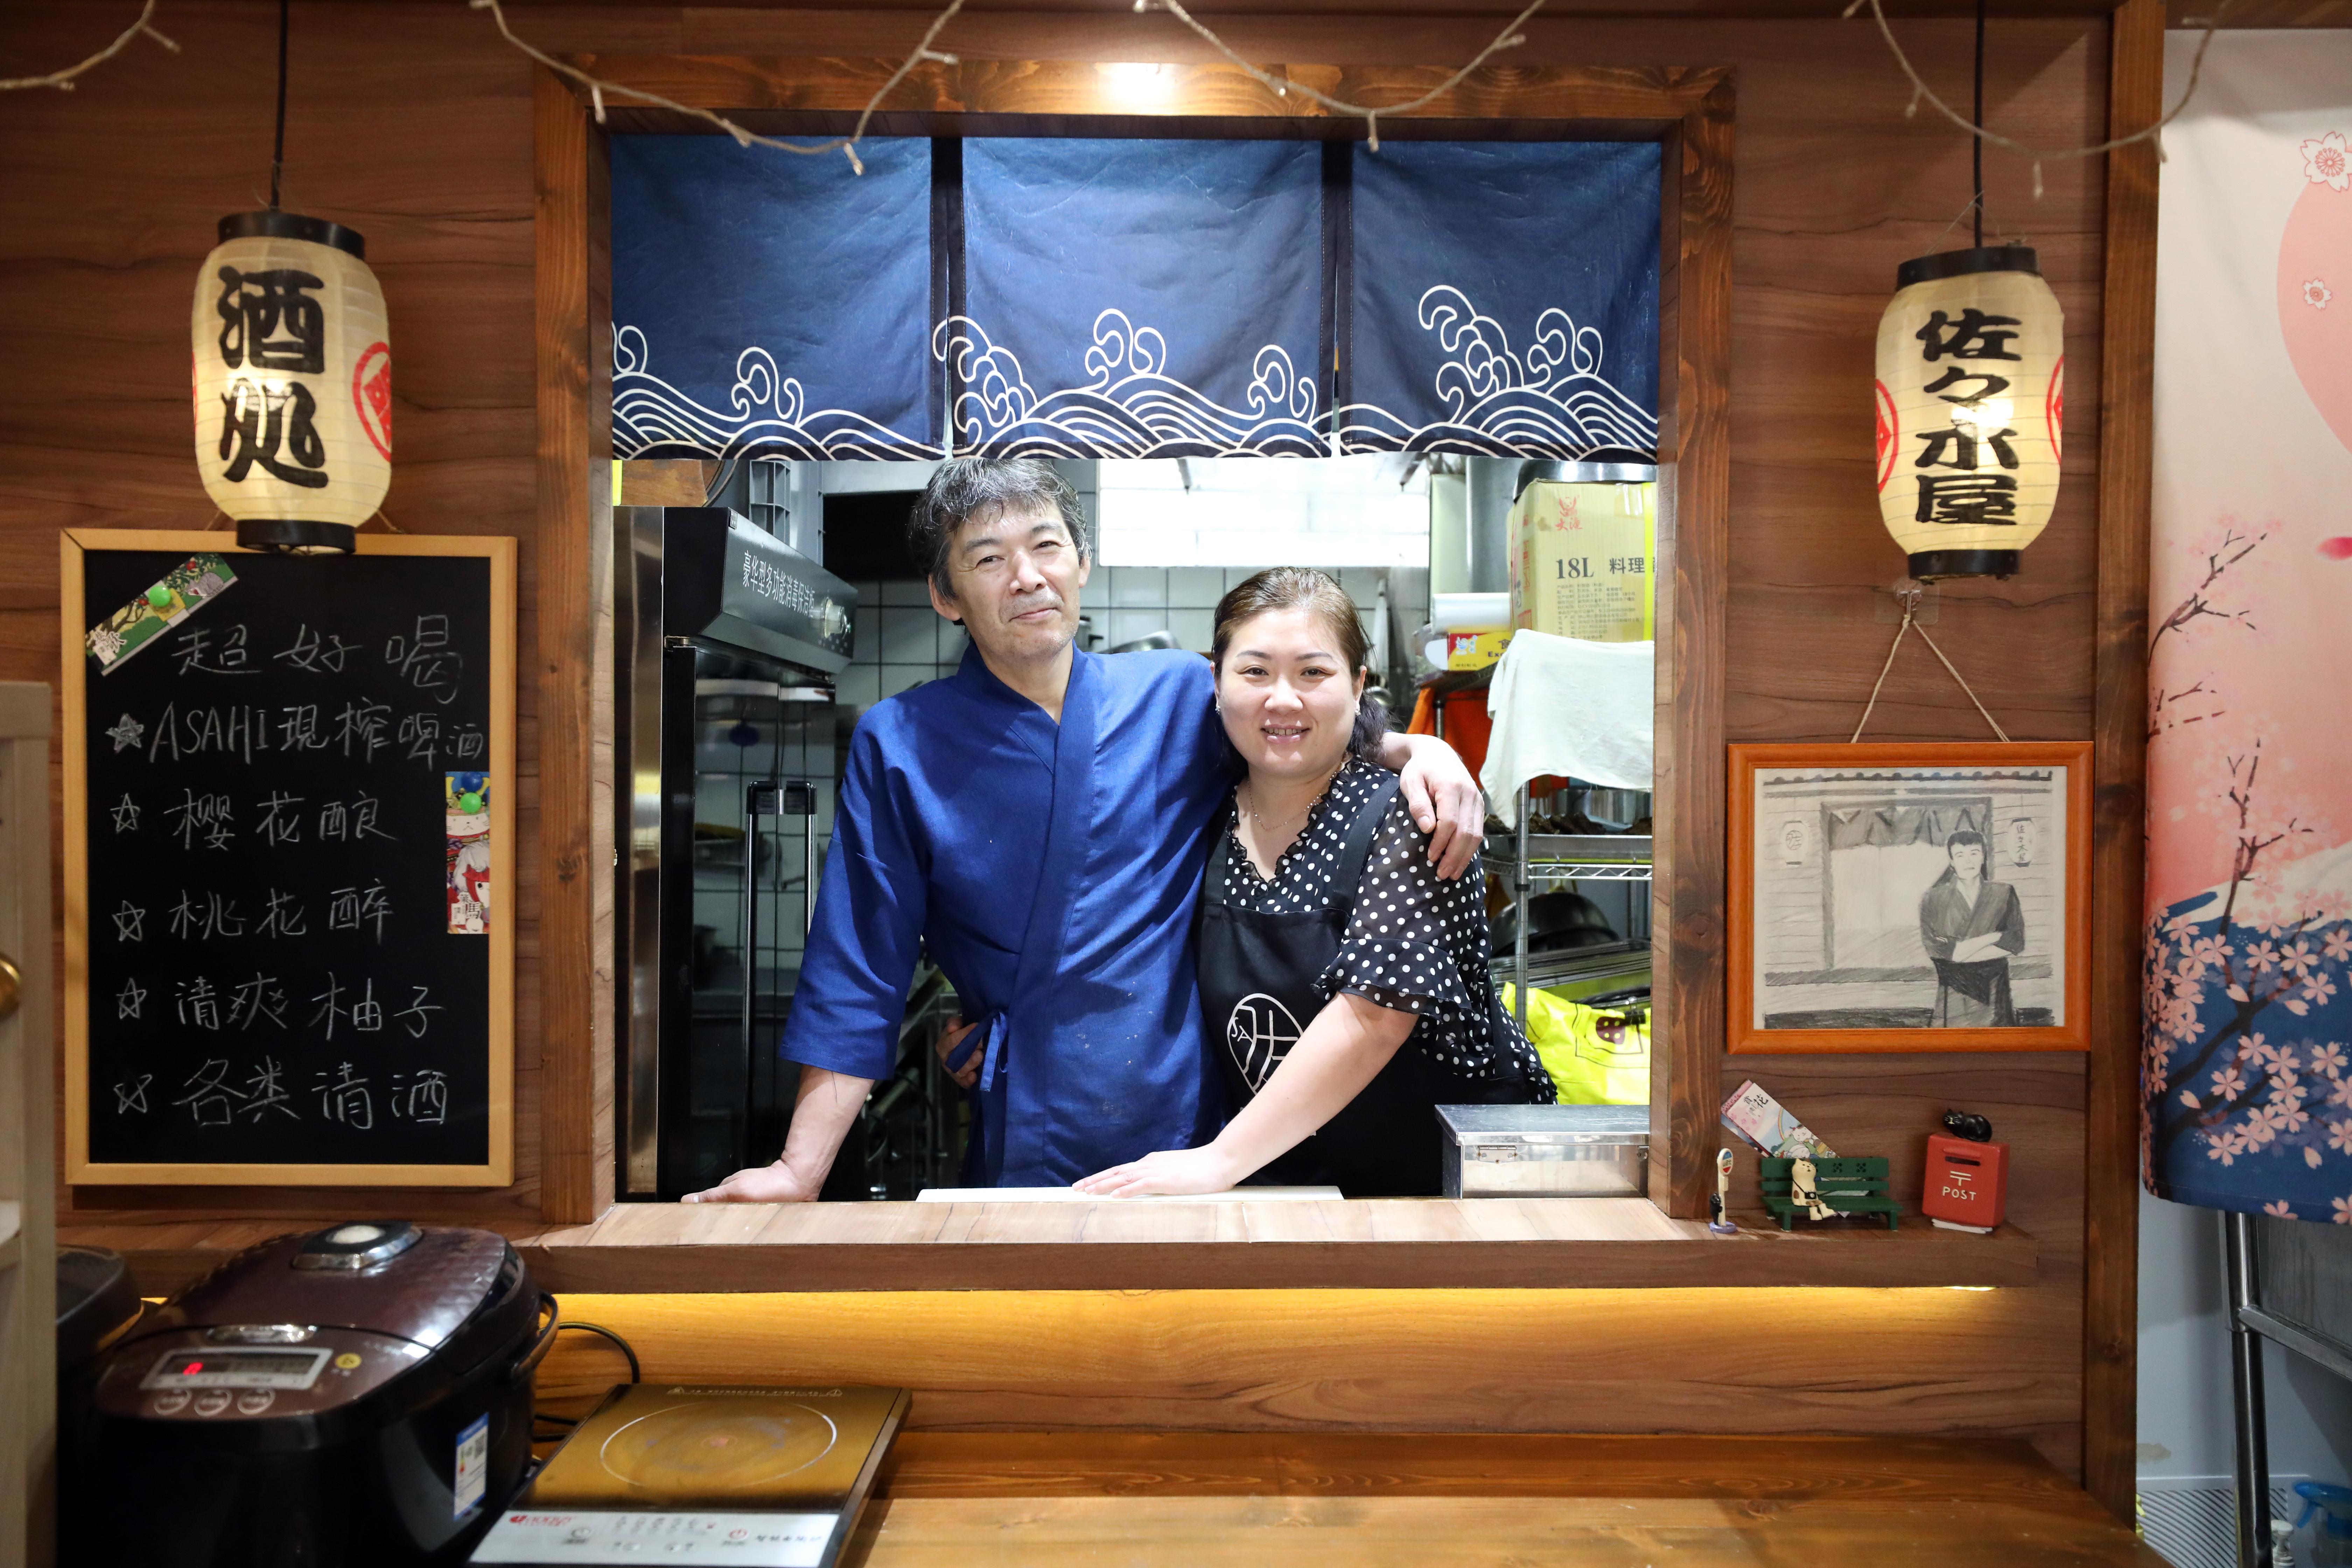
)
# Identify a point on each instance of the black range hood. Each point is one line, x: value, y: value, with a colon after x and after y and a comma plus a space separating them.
x: 725, y: 581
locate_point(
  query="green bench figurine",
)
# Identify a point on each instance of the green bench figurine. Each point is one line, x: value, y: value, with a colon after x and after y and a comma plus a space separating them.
x: 1839, y: 1186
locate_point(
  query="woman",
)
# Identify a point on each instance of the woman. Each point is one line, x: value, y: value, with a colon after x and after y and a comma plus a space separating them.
x: 1320, y: 908
x: 1971, y: 927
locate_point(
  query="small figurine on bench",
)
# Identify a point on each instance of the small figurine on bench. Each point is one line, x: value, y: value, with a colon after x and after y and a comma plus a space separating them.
x: 1826, y: 1188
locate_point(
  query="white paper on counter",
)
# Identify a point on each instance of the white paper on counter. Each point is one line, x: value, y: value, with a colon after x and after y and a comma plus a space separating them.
x: 1071, y: 1195
x: 1572, y: 709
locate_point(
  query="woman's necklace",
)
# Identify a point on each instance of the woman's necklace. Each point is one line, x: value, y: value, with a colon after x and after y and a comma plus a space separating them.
x: 1249, y: 808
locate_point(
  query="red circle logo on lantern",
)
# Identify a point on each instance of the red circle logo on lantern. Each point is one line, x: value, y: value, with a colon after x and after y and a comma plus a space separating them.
x: 1890, y: 434
x: 2054, y: 406
x: 371, y: 396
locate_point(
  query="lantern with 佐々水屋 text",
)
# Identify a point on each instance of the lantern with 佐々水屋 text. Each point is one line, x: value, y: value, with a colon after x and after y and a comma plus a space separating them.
x: 1971, y: 404
x: 293, y: 382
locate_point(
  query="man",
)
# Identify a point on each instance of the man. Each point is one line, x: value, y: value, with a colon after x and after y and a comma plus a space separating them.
x: 1038, y: 819
x: 1970, y: 926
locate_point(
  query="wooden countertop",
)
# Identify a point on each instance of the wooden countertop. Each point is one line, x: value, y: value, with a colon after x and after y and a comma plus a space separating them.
x: 1544, y: 1243
x: 1425, y: 1500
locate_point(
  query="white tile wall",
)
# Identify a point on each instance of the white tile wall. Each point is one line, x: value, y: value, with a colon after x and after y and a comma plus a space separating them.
x: 910, y: 635
x: 1129, y: 625
x: 1138, y: 587
x: 901, y: 641
x: 1193, y: 629
x: 1195, y: 587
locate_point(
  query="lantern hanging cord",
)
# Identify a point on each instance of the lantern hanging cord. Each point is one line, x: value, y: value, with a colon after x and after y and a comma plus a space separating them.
x: 278, y: 148
x: 1976, y: 143
x: 847, y: 145
x: 1910, y: 602
x: 1508, y: 38
x: 63, y: 80
x: 2041, y: 155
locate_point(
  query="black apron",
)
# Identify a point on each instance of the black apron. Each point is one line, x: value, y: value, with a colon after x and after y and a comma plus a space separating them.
x: 1257, y: 993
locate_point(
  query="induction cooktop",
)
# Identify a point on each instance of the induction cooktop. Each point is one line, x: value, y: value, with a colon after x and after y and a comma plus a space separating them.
x: 682, y: 1473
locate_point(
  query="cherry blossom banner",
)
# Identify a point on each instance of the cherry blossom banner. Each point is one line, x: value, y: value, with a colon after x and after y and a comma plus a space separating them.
x: 2247, y: 1065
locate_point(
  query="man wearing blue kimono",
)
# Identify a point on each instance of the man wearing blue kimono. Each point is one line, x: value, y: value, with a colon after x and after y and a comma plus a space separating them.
x: 1039, y: 819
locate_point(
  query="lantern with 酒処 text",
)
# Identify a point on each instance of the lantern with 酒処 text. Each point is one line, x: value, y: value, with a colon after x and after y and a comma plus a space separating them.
x: 1971, y: 377
x: 293, y: 382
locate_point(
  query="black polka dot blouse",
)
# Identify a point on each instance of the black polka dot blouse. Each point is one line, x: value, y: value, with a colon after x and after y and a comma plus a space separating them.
x: 1415, y: 942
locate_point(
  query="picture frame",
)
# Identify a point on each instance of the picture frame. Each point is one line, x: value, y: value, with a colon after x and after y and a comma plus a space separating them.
x: 1857, y: 922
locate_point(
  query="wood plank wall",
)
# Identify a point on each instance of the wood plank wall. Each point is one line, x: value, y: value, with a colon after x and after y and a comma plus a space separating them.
x: 414, y: 124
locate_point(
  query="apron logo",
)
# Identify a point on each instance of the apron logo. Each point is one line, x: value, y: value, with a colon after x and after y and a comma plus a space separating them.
x: 1260, y: 1033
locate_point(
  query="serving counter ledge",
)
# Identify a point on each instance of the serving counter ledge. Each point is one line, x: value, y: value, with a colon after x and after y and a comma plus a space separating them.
x: 1368, y: 1244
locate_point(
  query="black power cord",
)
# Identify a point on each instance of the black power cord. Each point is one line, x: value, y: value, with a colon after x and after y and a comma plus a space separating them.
x: 564, y: 1424
x: 636, y: 1371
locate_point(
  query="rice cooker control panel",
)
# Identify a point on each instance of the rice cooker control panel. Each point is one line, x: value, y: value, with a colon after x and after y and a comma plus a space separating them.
x: 191, y: 1376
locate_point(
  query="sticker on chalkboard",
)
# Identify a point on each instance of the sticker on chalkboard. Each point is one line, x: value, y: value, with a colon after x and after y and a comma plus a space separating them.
x: 181, y: 590
x: 465, y: 808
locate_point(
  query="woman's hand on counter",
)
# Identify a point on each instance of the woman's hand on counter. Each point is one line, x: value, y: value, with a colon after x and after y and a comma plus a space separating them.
x: 776, y: 1184
x: 1168, y: 1173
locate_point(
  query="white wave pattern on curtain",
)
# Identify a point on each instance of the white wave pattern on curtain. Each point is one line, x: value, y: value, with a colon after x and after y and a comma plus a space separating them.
x: 1130, y: 406
x: 1550, y: 402
x: 771, y: 416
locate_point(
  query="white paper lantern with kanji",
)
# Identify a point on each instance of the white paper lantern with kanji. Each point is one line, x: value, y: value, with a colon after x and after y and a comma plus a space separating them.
x: 1971, y: 407
x: 293, y: 382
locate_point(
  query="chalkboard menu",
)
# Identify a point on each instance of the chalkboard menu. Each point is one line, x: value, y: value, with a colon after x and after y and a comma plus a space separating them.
x: 290, y: 862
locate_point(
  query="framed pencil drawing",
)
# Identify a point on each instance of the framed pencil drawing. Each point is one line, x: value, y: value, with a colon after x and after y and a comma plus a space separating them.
x: 1910, y: 897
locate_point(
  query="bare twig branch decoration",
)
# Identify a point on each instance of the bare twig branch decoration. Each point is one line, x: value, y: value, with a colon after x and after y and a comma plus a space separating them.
x: 1509, y: 37
x: 2041, y: 155
x: 63, y: 80
x: 847, y: 145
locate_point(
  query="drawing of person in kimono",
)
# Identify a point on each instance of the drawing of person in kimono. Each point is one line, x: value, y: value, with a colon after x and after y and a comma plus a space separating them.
x: 1970, y: 925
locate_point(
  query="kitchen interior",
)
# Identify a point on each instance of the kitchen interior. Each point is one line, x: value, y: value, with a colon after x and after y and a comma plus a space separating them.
x: 742, y: 709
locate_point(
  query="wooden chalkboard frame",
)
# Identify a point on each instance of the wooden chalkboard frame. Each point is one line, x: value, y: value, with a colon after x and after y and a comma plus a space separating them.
x: 498, y: 1169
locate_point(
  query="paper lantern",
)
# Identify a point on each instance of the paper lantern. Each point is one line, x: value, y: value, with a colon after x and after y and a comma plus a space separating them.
x: 293, y: 382
x: 1971, y: 376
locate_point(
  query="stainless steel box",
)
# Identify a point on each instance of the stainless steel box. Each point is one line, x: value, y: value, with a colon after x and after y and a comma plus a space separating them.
x: 1546, y: 1151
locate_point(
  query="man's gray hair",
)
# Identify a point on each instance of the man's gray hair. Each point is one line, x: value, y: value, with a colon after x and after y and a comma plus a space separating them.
x: 965, y: 487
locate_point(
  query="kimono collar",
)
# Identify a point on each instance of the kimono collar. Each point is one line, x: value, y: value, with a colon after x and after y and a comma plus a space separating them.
x: 981, y: 681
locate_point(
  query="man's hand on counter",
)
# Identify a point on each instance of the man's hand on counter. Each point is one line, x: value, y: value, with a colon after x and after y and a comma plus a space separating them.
x: 822, y: 1112
x: 776, y: 1184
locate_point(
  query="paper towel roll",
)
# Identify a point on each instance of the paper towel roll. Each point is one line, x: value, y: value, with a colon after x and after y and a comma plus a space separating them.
x: 1470, y: 612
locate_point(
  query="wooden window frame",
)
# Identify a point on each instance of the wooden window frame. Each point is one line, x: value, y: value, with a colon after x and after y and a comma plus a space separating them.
x: 1688, y: 110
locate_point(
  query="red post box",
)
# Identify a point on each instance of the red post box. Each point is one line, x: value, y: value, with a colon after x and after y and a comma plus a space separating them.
x: 1967, y: 1183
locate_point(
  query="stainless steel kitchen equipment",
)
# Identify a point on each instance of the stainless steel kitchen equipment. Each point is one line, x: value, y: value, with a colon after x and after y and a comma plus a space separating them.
x: 1545, y: 1150
x: 726, y: 641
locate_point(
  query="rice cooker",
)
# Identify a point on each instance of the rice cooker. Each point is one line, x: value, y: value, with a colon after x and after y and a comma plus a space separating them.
x: 358, y: 1396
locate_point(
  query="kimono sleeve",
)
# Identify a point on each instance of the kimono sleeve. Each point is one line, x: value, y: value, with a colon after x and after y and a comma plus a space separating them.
x: 2012, y: 923
x: 1936, y: 935
x: 870, y: 911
